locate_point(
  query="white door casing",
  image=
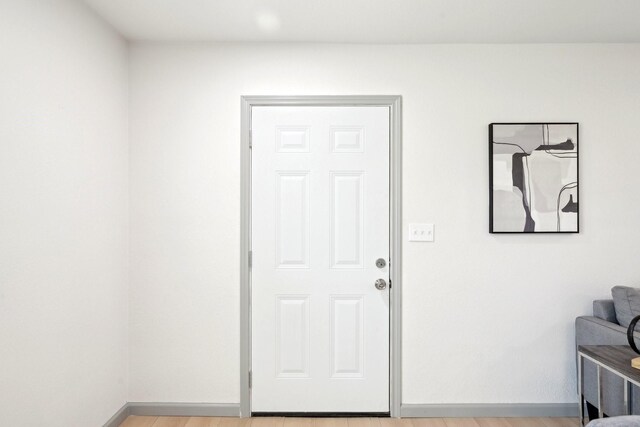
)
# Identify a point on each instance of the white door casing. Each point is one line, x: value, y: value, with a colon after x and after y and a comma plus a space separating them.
x: 320, y: 220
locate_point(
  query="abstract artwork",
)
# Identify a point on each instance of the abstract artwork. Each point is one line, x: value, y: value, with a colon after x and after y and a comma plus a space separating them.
x: 533, y: 178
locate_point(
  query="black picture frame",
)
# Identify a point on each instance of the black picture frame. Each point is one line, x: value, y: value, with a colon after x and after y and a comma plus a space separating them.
x: 503, y: 218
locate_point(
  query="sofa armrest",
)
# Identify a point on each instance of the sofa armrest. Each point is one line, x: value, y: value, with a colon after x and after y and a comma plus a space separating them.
x: 592, y: 330
x: 605, y: 310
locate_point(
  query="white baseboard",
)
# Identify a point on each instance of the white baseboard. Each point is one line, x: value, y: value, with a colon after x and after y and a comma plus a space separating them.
x: 185, y: 409
x: 490, y: 410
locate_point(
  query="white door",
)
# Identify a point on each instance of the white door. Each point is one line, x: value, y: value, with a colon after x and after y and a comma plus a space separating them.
x: 320, y: 220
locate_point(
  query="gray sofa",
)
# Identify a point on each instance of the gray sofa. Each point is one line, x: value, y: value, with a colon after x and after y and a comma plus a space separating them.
x: 630, y: 421
x: 603, y: 328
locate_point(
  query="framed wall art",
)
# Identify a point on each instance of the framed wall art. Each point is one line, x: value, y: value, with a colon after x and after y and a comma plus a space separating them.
x: 533, y: 178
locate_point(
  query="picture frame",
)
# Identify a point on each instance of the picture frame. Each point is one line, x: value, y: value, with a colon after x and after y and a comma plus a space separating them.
x: 534, y: 177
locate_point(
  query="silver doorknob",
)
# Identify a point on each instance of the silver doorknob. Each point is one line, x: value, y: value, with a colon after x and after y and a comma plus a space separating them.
x: 381, y: 284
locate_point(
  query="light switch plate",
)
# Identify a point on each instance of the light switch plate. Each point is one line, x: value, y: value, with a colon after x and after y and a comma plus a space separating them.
x: 421, y: 232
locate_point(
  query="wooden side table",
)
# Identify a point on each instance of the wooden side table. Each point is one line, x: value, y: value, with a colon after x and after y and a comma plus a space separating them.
x: 615, y: 359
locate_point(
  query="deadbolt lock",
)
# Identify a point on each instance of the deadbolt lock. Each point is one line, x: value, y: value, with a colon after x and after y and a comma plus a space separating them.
x: 381, y: 263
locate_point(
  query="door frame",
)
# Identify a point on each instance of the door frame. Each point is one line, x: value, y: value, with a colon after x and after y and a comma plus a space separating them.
x: 394, y: 102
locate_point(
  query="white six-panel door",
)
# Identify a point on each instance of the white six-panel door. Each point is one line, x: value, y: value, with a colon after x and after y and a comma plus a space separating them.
x: 320, y: 220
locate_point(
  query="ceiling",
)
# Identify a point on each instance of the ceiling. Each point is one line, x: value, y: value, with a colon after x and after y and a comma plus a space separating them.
x: 375, y: 21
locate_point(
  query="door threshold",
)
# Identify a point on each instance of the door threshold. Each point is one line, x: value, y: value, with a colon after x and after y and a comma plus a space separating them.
x: 322, y: 414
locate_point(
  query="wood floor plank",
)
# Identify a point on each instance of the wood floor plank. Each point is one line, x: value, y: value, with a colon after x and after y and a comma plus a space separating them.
x: 492, y: 422
x: 428, y: 422
x: 460, y: 422
x: 171, y: 422
x: 295, y: 422
x: 561, y: 422
x: 363, y: 422
x: 198, y: 422
x: 526, y: 422
x: 267, y: 421
x: 395, y: 422
x: 330, y: 422
x: 138, y: 421
x: 234, y: 422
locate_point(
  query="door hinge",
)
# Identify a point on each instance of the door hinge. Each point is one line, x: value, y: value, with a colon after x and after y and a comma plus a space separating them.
x: 250, y: 259
x: 250, y: 379
x: 250, y: 139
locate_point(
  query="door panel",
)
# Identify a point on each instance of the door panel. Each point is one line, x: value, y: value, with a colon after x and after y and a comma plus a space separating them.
x: 292, y: 340
x: 347, y: 336
x: 320, y: 219
x: 292, y: 219
x: 347, y: 219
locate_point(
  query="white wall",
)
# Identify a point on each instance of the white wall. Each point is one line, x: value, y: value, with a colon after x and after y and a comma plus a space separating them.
x: 487, y: 318
x: 63, y: 215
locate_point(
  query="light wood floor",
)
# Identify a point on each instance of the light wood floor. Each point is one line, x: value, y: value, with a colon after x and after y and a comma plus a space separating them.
x: 138, y: 421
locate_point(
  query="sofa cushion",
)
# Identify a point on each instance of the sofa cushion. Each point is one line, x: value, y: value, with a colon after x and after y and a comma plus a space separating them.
x: 627, y: 303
